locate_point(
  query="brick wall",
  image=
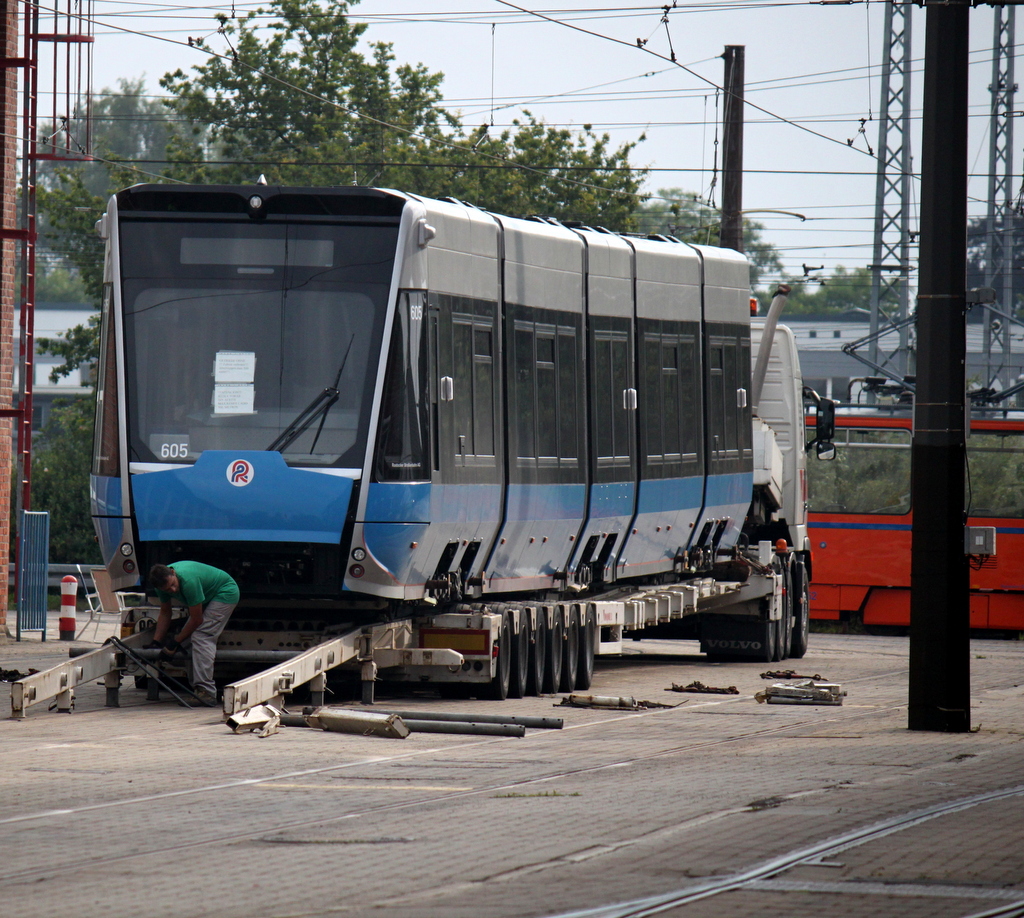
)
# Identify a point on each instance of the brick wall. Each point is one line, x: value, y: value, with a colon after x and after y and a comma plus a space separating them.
x: 9, y: 150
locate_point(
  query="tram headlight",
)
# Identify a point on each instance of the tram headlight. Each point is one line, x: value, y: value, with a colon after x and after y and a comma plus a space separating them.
x: 358, y: 554
x: 127, y: 549
x: 254, y: 207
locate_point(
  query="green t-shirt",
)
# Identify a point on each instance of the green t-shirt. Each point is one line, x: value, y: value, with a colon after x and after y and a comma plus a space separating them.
x: 200, y: 584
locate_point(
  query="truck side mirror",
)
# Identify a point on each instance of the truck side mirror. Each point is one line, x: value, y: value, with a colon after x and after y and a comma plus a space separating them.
x: 824, y: 424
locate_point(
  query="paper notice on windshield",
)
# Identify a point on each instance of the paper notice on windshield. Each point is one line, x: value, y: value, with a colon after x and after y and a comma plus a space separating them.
x: 234, y: 399
x: 234, y: 367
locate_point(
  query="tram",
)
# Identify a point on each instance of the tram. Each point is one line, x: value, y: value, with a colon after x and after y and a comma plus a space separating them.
x: 359, y: 395
x: 860, y: 518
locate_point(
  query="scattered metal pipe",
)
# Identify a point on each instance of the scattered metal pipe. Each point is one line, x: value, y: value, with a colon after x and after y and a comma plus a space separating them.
x: 532, y: 723
x: 467, y: 727
x: 317, y: 717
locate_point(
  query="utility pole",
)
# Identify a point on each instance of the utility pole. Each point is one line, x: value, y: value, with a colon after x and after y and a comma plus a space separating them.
x: 1002, y: 219
x: 890, y: 268
x: 731, y: 233
x: 940, y: 689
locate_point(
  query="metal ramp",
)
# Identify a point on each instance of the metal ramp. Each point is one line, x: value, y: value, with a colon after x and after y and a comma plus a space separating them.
x: 373, y: 647
x: 60, y: 682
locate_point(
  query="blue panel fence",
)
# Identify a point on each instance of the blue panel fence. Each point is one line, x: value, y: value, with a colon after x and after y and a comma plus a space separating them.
x: 33, y: 570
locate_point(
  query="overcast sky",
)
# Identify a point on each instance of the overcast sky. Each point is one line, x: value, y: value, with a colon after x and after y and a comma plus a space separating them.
x: 812, y: 69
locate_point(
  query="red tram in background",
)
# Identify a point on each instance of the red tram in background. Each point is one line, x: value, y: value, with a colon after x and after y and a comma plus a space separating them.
x: 860, y: 520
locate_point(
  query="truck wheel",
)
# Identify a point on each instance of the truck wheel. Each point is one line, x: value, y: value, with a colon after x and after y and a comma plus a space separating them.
x: 520, y: 660
x: 538, y: 656
x: 570, y: 652
x: 801, y: 610
x: 497, y: 689
x: 553, y: 652
x: 585, y: 668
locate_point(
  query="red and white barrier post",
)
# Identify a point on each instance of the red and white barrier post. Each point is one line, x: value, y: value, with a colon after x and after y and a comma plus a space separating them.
x: 68, y: 607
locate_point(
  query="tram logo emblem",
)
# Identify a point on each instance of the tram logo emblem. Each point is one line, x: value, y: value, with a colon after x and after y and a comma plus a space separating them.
x: 240, y: 472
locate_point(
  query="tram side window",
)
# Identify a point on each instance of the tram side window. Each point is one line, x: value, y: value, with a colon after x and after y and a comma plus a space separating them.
x: 870, y: 474
x: 106, y: 459
x: 729, y: 424
x: 546, y: 398
x: 474, y: 362
x: 402, y: 439
x: 669, y: 405
x: 995, y: 484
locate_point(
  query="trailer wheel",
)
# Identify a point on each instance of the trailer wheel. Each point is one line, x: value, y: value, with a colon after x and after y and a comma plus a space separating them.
x: 538, y: 656
x: 553, y: 652
x: 801, y: 610
x: 520, y: 660
x: 585, y: 669
x: 570, y: 651
x: 497, y: 688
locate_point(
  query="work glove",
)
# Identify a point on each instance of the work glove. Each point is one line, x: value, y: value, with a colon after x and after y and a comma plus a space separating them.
x: 170, y: 648
x: 154, y: 645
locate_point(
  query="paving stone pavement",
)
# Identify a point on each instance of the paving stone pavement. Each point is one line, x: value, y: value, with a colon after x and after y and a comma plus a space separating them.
x: 717, y: 807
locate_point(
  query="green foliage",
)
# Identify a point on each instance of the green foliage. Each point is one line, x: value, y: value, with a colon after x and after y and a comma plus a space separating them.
x: 58, y: 284
x: 674, y: 212
x: 870, y: 474
x: 305, y: 107
x: 60, y: 481
x: 843, y: 291
x: 996, y: 480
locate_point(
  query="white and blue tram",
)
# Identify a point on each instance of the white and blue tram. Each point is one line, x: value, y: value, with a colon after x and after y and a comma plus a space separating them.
x: 357, y: 394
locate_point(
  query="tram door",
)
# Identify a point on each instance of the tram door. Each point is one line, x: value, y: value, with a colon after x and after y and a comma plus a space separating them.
x: 466, y: 436
x: 613, y: 407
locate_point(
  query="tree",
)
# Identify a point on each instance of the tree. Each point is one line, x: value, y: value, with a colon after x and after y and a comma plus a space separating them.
x: 126, y: 125
x: 305, y: 107
x: 1010, y: 228
x: 843, y: 291
x: 679, y: 213
x: 60, y: 481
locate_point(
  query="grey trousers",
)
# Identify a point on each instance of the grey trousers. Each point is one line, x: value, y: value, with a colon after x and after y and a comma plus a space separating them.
x: 204, y: 644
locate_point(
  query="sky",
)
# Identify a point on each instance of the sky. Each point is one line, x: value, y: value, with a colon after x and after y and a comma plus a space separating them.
x: 812, y: 70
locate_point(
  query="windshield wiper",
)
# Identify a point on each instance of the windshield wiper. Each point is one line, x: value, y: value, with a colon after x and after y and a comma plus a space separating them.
x: 317, y: 408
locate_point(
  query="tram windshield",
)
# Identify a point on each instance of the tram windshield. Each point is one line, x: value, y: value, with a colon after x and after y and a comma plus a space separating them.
x: 236, y: 333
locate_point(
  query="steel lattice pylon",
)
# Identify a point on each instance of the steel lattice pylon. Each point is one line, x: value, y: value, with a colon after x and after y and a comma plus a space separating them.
x: 1002, y: 219
x: 890, y: 268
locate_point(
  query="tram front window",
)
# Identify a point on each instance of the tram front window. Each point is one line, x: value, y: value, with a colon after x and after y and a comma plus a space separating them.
x: 234, y: 330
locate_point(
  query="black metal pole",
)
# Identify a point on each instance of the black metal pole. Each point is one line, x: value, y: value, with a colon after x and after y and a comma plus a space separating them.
x: 731, y: 233
x: 940, y: 689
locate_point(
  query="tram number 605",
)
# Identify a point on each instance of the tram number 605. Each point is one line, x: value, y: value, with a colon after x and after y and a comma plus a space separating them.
x: 416, y: 312
x: 174, y: 451
x: 169, y: 446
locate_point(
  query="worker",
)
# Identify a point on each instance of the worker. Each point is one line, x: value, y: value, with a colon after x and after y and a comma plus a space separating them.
x: 210, y: 595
